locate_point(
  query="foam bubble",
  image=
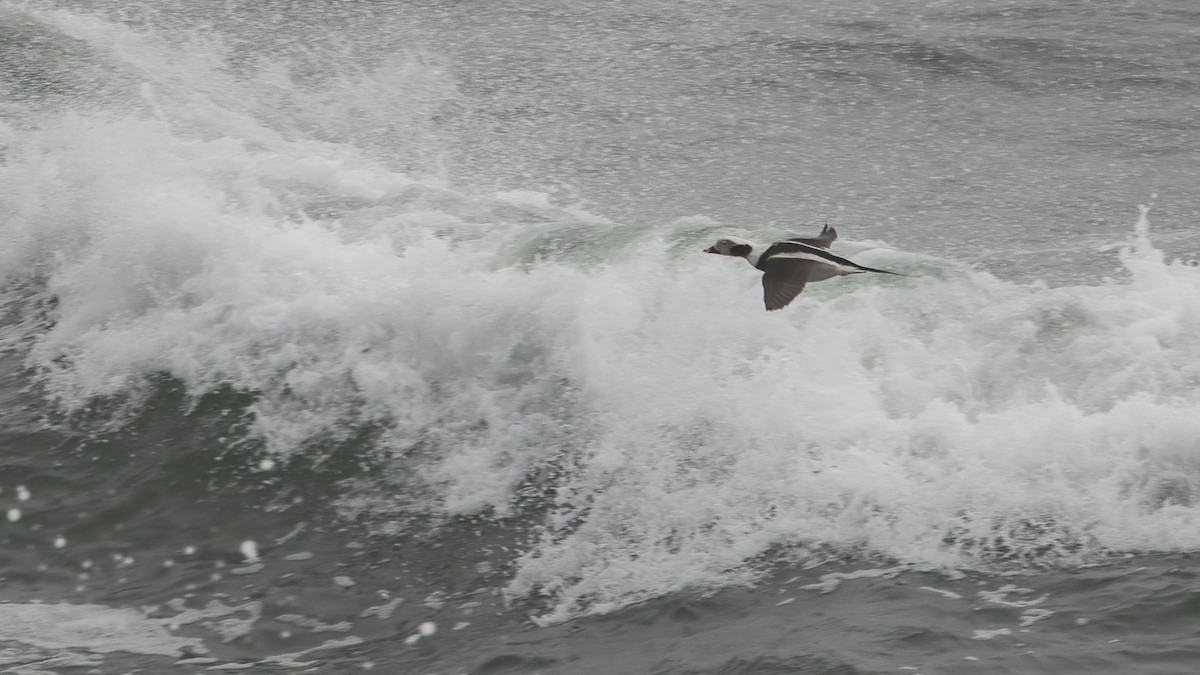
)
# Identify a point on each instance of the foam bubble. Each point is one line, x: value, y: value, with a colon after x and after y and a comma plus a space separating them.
x: 249, y: 550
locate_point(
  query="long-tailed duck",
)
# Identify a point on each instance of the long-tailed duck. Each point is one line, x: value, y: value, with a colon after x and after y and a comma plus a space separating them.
x: 790, y: 264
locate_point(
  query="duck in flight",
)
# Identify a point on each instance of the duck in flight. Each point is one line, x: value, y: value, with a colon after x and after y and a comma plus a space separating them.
x: 789, y: 265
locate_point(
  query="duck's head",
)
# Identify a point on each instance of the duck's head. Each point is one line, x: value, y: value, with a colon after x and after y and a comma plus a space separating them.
x: 731, y: 246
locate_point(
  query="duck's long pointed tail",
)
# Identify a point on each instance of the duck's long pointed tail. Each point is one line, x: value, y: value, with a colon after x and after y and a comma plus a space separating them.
x: 864, y: 268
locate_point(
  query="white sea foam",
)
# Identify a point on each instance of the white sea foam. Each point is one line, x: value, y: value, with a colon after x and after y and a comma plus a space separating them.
x: 985, y: 634
x: 943, y: 592
x: 1032, y: 616
x: 1000, y: 596
x: 947, y: 418
x: 91, y: 628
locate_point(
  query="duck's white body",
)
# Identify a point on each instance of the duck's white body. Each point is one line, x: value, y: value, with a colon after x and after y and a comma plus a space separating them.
x: 791, y: 264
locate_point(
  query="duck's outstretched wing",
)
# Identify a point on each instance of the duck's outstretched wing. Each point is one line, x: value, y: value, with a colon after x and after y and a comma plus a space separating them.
x: 783, y: 279
x: 824, y: 240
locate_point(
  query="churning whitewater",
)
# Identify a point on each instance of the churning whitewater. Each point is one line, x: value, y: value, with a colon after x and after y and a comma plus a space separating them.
x: 511, y: 356
x: 948, y: 418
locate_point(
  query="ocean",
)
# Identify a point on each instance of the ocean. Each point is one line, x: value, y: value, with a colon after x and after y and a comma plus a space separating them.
x: 358, y: 336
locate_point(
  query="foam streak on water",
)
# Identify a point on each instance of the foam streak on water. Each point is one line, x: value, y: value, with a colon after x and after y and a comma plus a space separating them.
x: 501, y: 345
